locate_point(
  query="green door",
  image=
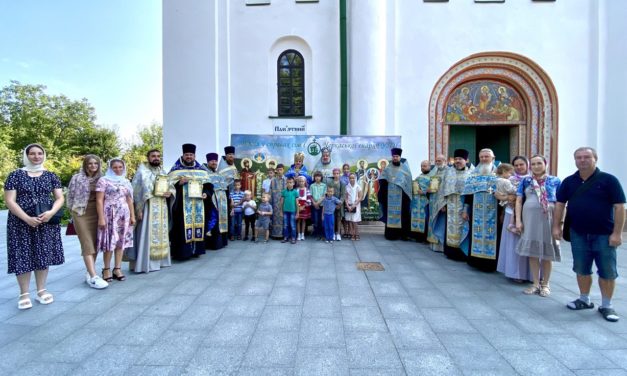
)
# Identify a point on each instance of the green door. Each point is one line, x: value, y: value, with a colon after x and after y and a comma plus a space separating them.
x: 474, y: 138
x: 463, y: 137
x: 495, y: 138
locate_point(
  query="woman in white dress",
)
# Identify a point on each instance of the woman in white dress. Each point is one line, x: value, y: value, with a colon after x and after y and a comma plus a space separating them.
x: 352, y: 214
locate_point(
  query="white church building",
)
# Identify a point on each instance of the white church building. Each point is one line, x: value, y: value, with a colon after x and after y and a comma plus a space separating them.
x: 520, y: 76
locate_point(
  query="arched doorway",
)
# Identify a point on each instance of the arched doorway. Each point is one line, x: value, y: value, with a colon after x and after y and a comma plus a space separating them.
x: 499, y: 100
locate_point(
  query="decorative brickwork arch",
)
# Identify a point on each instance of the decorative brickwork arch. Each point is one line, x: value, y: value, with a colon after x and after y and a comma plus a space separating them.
x: 537, y: 131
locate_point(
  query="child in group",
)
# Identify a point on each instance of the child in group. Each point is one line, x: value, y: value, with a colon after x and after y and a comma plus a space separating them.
x: 317, y: 188
x: 303, y: 206
x: 265, y: 185
x: 288, y: 203
x: 263, y: 222
x: 353, y: 206
x: 329, y: 204
x: 236, y: 198
x: 338, y: 187
x: 250, y: 215
x: 504, y: 188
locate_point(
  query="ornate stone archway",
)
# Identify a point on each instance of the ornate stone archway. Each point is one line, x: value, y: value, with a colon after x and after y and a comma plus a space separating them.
x: 537, y: 134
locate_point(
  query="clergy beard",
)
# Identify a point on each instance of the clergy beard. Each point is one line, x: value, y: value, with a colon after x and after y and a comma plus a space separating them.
x: 185, y: 163
x: 155, y: 163
x: 485, y: 168
x: 425, y: 171
x: 396, y: 163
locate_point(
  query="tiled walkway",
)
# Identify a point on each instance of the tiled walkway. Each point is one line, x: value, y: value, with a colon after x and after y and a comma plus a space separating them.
x: 276, y: 309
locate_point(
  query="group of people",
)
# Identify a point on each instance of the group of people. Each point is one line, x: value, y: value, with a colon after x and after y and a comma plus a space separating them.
x: 510, y: 218
x: 505, y: 217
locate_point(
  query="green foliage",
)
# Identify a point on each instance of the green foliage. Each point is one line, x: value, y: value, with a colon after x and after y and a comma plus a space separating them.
x: 149, y: 137
x: 67, y: 130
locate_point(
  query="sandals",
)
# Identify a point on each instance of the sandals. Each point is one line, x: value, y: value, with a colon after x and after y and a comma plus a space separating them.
x: 45, y: 298
x: 24, y: 301
x: 545, y: 290
x: 579, y: 304
x: 356, y: 237
x: 109, y: 278
x: 120, y: 276
x: 532, y: 290
x: 609, y: 314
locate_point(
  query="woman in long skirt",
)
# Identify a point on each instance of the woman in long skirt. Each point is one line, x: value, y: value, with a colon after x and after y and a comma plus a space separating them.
x: 510, y: 263
x: 81, y: 201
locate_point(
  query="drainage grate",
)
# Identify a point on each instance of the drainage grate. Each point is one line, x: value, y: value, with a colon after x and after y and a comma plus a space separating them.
x: 370, y: 266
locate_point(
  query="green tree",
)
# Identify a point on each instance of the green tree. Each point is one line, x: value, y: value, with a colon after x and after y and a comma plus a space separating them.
x: 147, y: 138
x: 66, y: 128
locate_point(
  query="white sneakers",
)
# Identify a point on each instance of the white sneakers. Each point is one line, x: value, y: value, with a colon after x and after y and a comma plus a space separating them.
x: 95, y: 282
x: 338, y: 237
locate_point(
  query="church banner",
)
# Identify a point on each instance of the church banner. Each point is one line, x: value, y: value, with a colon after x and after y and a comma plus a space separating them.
x: 366, y: 155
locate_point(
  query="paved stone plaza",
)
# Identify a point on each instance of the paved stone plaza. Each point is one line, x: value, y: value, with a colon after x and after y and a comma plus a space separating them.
x: 276, y: 309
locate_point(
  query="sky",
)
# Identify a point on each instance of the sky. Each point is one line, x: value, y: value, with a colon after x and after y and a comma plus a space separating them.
x: 107, y: 51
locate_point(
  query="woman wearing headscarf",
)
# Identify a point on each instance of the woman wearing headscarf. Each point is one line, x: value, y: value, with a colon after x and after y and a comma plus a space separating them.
x: 116, y: 217
x: 535, y: 203
x: 510, y: 263
x: 81, y: 201
x: 33, y: 244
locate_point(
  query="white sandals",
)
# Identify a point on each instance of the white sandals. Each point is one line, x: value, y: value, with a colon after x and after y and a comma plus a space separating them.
x: 45, y: 298
x: 24, y: 303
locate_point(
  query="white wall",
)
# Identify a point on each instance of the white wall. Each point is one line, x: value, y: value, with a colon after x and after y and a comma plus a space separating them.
x: 613, y: 81
x: 431, y: 37
x: 256, y: 33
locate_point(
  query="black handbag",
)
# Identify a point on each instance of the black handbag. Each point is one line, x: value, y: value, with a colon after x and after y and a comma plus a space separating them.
x: 42, y: 207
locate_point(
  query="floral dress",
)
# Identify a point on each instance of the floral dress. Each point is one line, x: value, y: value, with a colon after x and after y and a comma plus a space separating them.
x: 32, y: 248
x: 118, y: 232
x: 304, y: 201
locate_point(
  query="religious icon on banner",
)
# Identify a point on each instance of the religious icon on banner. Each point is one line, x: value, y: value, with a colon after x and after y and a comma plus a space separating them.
x: 162, y: 185
x: 434, y: 184
x: 194, y: 189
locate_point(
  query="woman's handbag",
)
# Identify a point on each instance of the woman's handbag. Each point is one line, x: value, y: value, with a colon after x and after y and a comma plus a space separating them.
x: 70, y: 230
x: 42, y: 207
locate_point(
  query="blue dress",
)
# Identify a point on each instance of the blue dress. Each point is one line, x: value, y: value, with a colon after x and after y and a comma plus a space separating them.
x: 32, y: 248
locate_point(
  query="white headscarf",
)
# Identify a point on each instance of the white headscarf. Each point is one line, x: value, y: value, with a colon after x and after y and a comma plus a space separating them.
x: 117, y: 179
x: 30, y: 166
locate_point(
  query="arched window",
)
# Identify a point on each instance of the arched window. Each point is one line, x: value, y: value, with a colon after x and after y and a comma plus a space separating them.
x: 291, y: 83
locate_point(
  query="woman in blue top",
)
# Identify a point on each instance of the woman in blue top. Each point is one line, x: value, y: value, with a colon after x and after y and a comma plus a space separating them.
x: 534, y: 217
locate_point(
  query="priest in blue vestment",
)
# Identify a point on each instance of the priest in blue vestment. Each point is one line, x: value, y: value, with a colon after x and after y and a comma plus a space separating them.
x: 394, y: 196
x: 420, y: 203
x: 483, y: 214
x: 450, y: 224
x: 187, y: 235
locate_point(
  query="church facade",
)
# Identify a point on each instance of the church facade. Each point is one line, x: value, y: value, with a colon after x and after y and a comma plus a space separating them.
x: 518, y: 76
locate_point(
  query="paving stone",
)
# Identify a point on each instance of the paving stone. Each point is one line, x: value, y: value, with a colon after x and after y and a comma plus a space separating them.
x: 75, y: 348
x: 377, y: 372
x: 16, y: 353
x: 272, y: 349
x: 428, y: 362
x: 321, y: 287
x: 446, y: 320
x: 363, y: 319
x: 321, y: 362
x: 322, y: 306
x: 280, y: 318
x: 472, y: 351
x: 321, y: 332
x: 398, y: 307
x: 504, y: 335
x: 534, y: 362
x: 246, y: 306
x: 287, y: 296
x: 198, y: 317
x: 216, y: 360
x: 170, y: 305
x: 256, y: 286
x: 291, y: 280
x: 265, y: 371
x: 115, y: 359
x: 232, y: 331
x: 574, y: 353
x: 174, y: 348
x: 143, y: 331
x: 413, y: 334
x: 154, y: 371
x: 371, y: 350
x: 45, y: 368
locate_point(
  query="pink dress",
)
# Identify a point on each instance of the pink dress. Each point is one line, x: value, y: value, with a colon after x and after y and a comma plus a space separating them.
x: 118, y: 232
